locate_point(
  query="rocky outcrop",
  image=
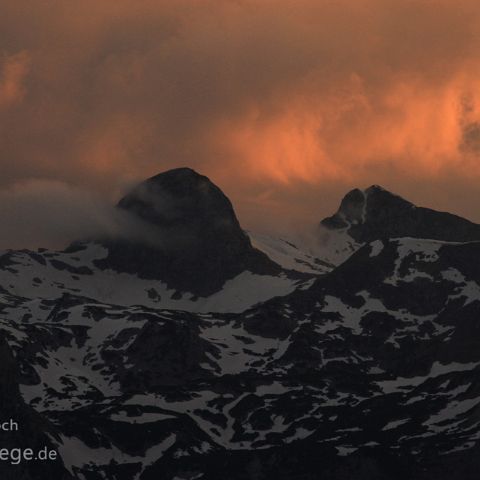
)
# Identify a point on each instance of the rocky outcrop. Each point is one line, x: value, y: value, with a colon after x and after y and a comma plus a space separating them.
x: 376, y: 213
x: 195, y: 242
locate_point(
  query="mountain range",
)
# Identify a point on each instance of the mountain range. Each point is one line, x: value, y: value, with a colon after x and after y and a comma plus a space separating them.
x: 192, y: 349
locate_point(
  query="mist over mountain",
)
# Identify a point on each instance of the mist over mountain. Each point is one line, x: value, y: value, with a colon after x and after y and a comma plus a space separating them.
x: 191, y: 349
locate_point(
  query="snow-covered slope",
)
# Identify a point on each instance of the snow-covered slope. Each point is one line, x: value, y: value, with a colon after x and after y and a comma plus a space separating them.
x: 49, y: 274
x: 355, y: 366
x: 291, y: 254
x: 359, y: 362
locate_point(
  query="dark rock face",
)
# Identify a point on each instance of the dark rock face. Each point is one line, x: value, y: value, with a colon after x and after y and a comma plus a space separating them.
x: 376, y: 213
x: 184, y: 200
x: 196, y: 241
x: 154, y: 364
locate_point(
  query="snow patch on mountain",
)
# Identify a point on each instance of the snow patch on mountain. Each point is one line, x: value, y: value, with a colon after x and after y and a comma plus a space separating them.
x: 50, y: 274
x: 291, y: 254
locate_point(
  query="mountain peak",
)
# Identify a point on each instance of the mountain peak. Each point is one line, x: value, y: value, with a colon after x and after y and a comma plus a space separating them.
x: 378, y: 192
x: 376, y: 188
x: 181, y: 181
x: 357, y: 204
x: 180, y: 197
x: 375, y: 213
x: 200, y: 241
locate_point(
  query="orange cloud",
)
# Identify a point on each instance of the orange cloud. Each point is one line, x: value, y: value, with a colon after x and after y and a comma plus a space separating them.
x: 274, y: 99
x: 13, y: 70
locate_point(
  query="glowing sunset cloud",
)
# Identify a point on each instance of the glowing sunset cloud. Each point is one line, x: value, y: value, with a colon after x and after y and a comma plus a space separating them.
x: 272, y: 99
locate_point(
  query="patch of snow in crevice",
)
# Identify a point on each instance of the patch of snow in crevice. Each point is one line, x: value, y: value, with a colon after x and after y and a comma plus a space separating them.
x: 377, y: 247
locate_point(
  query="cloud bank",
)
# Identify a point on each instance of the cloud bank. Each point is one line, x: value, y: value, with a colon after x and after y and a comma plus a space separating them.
x: 51, y: 214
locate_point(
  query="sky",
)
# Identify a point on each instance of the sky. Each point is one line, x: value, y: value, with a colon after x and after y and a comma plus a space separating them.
x: 285, y: 104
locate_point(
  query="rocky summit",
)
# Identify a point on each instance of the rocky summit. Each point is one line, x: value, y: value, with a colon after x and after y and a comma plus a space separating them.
x: 377, y: 213
x: 359, y: 359
x: 194, y: 241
